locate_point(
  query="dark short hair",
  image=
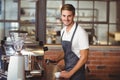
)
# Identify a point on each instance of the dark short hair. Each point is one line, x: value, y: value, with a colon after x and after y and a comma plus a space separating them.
x: 68, y: 7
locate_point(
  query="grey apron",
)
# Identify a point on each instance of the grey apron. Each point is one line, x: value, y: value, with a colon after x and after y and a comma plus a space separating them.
x: 71, y: 59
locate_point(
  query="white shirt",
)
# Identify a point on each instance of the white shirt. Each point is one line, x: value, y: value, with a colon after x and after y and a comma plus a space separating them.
x: 80, y: 39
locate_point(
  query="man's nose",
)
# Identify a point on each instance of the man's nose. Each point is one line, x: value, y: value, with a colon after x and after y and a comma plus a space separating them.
x: 66, y: 18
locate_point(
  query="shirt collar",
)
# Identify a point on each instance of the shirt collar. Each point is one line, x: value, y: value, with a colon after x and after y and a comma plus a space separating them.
x: 72, y: 29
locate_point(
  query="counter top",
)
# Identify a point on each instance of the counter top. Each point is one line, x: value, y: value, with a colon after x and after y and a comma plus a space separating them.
x: 59, y: 47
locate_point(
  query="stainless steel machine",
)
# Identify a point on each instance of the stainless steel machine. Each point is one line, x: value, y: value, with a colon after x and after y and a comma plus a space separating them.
x: 16, y: 68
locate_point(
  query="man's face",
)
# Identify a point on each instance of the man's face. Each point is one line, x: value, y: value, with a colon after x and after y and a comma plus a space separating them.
x: 67, y: 17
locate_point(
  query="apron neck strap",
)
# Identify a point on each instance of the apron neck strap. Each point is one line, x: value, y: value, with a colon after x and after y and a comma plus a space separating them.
x: 74, y: 32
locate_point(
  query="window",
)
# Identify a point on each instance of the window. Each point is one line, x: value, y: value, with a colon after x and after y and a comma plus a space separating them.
x: 14, y: 16
x: 8, y: 17
x: 98, y: 17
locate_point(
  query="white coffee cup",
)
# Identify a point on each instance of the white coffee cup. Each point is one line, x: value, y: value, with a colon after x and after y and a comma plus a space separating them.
x: 57, y: 74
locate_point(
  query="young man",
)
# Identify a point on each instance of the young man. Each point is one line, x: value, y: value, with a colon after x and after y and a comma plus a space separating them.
x: 75, y: 45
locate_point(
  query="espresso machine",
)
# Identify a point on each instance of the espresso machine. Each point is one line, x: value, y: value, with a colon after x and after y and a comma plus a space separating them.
x: 22, y: 63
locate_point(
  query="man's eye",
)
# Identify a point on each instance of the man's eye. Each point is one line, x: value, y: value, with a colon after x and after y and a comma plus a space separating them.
x: 63, y: 15
x: 69, y: 16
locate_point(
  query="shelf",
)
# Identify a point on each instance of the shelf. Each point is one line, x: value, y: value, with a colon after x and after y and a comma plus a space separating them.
x: 115, y: 35
x: 32, y: 21
x: 28, y: 18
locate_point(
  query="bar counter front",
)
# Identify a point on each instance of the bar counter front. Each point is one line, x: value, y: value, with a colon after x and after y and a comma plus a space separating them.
x: 103, y: 62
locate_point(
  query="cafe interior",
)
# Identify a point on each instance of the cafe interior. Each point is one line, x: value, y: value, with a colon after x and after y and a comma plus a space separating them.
x: 38, y: 22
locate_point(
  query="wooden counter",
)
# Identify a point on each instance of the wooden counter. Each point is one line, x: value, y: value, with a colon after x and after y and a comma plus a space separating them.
x: 104, y: 48
x: 103, y: 61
